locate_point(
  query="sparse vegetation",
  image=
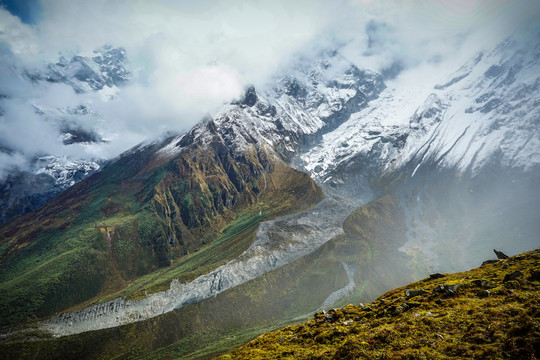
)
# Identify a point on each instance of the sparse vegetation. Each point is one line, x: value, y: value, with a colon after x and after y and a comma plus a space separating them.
x: 479, y: 314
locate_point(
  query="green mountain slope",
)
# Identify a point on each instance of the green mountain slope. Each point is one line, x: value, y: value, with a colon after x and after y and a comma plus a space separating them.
x: 143, y: 214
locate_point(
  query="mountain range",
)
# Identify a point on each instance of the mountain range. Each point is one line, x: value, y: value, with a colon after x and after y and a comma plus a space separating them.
x: 331, y: 185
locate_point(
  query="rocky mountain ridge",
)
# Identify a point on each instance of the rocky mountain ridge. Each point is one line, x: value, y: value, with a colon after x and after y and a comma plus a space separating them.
x: 106, y: 67
x: 486, y: 112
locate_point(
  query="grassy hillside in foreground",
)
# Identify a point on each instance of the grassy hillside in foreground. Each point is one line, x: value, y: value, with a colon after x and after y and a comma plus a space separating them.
x: 491, y: 312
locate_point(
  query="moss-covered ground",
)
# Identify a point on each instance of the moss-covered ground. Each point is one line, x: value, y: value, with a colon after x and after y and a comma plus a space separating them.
x: 491, y: 312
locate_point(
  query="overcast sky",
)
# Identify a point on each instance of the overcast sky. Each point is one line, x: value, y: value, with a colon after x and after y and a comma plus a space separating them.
x: 190, y: 57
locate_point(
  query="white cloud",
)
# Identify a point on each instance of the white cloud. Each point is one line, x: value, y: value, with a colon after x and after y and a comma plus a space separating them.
x: 11, y: 162
x: 29, y: 134
x: 19, y: 37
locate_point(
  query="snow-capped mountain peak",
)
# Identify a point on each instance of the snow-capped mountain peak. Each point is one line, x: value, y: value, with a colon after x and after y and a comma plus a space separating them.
x: 486, y: 111
x: 106, y: 68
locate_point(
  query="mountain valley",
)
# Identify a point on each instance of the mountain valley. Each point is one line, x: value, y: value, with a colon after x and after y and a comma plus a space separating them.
x: 330, y: 186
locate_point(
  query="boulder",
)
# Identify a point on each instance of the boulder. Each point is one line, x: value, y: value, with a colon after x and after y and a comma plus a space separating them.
x: 409, y: 293
x: 436, y: 276
x: 535, y: 275
x: 512, y: 276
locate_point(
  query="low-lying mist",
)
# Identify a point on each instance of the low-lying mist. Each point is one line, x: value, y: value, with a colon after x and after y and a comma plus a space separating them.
x: 454, y: 221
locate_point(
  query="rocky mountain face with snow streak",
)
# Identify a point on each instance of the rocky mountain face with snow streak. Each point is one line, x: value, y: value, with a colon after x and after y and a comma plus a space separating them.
x: 23, y: 192
x: 26, y: 191
x: 486, y: 113
x: 311, y: 100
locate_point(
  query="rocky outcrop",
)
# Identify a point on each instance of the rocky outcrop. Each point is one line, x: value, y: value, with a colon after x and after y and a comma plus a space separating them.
x: 500, y: 254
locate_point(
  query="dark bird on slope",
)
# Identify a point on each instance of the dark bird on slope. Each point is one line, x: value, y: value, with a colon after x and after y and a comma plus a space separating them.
x: 500, y: 255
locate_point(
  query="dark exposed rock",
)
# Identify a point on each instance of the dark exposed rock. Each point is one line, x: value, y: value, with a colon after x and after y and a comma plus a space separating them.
x: 294, y: 88
x: 500, y: 254
x: 494, y: 71
x: 450, y: 289
x: 249, y: 99
x: 512, y: 276
x: 268, y: 110
x: 490, y: 261
x: 187, y: 139
x: 365, y: 307
x: 483, y: 293
x: 446, y: 289
x: 401, y: 308
x: 482, y: 283
x: 535, y: 275
x: 490, y: 105
x: 78, y: 136
x: 436, y: 276
x: 439, y: 289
